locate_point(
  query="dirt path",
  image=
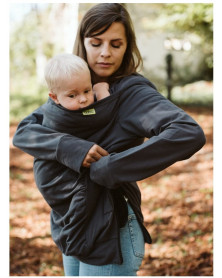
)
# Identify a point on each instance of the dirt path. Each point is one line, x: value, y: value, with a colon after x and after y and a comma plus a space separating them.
x: 177, y: 205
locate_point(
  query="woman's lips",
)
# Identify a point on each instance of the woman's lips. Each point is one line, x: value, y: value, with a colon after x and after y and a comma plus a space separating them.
x: 105, y: 65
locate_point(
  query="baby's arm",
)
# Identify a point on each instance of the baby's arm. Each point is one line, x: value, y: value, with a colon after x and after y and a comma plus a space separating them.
x: 101, y: 90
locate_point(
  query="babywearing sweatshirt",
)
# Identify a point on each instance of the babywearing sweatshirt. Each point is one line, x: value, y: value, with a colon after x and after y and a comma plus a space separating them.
x: 83, y: 218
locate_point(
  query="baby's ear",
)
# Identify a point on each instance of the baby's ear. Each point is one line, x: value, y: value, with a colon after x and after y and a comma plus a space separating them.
x: 53, y: 97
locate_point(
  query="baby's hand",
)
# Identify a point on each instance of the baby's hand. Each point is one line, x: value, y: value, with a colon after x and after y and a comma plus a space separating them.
x: 94, y: 154
x: 101, y: 90
x: 101, y: 86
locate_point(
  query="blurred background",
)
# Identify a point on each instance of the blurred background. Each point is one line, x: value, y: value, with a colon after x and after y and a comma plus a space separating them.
x: 176, y: 43
x: 179, y: 33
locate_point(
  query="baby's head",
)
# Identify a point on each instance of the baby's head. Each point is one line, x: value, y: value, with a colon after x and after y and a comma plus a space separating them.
x: 69, y: 81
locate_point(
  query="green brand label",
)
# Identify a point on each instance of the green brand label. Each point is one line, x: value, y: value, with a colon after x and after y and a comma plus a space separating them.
x: 89, y: 112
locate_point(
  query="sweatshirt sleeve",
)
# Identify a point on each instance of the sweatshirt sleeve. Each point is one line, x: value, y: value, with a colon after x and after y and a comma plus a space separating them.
x: 173, y: 136
x: 44, y: 143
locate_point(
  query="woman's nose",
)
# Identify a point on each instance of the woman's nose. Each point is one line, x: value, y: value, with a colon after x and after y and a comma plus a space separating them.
x: 105, y: 52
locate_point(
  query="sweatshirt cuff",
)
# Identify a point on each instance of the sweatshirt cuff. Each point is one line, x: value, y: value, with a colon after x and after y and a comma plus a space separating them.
x: 71, y: 151
x: 100, y: 172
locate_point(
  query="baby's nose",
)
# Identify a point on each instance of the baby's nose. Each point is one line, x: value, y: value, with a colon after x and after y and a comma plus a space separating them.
x: 82, y: 99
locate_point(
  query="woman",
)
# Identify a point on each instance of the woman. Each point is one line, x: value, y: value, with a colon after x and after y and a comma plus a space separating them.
x: 106, y: 40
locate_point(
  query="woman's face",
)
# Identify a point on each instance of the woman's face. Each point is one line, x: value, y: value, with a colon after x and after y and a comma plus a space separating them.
x: 105, y: 52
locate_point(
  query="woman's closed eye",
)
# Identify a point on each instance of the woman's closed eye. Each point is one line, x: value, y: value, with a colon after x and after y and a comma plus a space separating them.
x: 113, y: 45
x: 95, y: 44
x: 116, y: 45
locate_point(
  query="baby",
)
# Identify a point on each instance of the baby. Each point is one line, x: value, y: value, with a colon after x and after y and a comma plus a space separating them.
x: 69, y: 82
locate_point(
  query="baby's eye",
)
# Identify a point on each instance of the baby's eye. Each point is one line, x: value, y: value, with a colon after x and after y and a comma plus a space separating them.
x: 86, y: 91
x: 71, y: 96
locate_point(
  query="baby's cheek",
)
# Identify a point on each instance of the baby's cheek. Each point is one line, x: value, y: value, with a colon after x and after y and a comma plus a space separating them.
x: 72, y: 105
x: 91, y: 99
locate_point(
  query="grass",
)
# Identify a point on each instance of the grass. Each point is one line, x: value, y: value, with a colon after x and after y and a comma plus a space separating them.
x: 22, y: 105
x: 195, y: 94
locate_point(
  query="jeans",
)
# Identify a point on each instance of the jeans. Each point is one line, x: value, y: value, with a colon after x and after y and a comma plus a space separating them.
x: 132, y: 248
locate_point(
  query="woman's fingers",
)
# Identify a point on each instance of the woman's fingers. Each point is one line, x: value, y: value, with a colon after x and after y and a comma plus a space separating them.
x: 97, y: 152
x: 101, y: 151
x: 94, y: 154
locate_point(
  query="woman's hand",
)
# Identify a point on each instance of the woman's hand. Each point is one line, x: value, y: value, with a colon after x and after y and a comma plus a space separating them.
x: 93, y: 155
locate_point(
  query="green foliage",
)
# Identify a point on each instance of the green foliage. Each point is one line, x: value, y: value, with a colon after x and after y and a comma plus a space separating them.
x: 23, y: 41
x: 30, y: 40
x: 191, y: 22
x: 22, y: 105
x: 194, y: 20
x: 191, y: 17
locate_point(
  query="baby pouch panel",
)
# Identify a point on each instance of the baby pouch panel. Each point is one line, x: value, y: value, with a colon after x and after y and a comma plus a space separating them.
x: 84, y: 122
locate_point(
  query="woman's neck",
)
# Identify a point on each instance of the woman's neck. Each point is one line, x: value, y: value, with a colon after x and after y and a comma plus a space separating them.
x: 97, y: 79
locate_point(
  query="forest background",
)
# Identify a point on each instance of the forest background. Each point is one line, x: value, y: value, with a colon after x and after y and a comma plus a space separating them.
x: 181, y: 217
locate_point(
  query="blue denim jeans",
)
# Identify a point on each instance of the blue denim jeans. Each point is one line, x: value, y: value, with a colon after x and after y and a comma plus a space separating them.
x: 132, y: 248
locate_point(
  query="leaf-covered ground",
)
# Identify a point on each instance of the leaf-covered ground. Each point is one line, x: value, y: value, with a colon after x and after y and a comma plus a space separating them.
x: 177, y: 205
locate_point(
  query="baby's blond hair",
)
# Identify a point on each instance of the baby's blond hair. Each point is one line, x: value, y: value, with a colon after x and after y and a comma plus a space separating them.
x: 61, y: 67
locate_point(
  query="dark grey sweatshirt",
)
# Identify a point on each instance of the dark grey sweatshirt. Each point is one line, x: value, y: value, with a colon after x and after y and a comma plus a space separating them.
x: 83, y: 219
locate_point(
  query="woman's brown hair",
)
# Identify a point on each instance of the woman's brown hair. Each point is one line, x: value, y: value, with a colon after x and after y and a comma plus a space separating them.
x: 100, y: 17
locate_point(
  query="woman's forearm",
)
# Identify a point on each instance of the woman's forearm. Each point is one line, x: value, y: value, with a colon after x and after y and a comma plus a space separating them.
x: 149, y: 158
x: 45, y: 143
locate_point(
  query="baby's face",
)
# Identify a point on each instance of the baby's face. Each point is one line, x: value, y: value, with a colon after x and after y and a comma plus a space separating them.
x: 75, y: 93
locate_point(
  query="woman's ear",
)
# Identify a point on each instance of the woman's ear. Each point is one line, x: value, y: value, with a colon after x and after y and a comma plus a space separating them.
x: 53, y: 96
